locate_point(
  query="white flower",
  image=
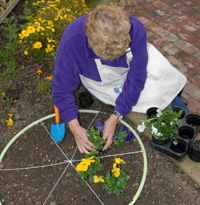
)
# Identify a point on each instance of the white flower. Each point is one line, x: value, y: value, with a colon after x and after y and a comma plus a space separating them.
x: 141, y: 127
x: 159, y: 134
x: 162, y: 123
x: 171, y: 123
x: 159, y: 112
x: 154, y: 130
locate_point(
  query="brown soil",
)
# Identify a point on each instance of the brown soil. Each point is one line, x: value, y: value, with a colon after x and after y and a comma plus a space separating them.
x: 165, y: 183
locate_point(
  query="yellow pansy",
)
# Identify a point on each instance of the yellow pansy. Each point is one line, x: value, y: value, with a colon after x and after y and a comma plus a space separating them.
x: 82, y: 167
x: 88, y: 161
x: 119, y: 160
x: 116, y: 170
x: 9, y: 122
x: 98, y: 179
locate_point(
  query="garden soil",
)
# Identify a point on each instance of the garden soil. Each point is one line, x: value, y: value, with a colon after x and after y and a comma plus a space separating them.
x: 60, y: 184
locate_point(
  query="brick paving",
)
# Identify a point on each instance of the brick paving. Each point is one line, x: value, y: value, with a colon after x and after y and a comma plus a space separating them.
x: 173, y: 27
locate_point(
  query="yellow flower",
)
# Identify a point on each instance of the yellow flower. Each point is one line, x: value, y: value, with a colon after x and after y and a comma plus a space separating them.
x: 81, y: 167
x: 116, y: 170
x: 119, y: 160
x: 25, y: 33
x: 50, y: 40
x: 39, y: 71
x: 49, y: 48
x: 3, y: 94
x: 10, y: 115
x: 31, y: 29
x: 88, y: 161
x: 25, y: 52
x: 9, y: 122
x: 37, y: 45
x: 98, y: 179
x: 50, y: 77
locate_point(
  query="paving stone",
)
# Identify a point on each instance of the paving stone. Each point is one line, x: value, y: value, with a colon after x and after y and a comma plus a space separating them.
x: 188, y: 60
x: 190, y: 49
x: 197, y: 35
x: 150, y: 35
x: 197, y: 55
x: 149, y: 7
x: 152, y: 26
x: 194, y: 105
x: 195, y: 23
x: 160, y: 4
x: 193, y: 91
x: 171, y: 27
x: 163, y: 13
x: 186, y: 96
x: 174, y: 19
x: 181, y: 44
x: 185, y: 46
x: 189, y: 27
x: 167, y: 35
x: 197, y: 44
x: 176, y: 63
x: 187, y: 37
x: 143, y: 20
x: 158, y: 41
x: 170, y: 49
x: 183, y: 69
x: 179, y: 5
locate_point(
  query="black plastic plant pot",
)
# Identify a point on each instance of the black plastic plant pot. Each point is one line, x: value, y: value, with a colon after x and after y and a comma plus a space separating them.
x: 177, y: 109
x: 85, y: 99
x: 152, y: 111
x: 160, y: 142
x: 178, y: 148
x: 193, y: 120
x: 186, y: 132
x: 194, y: 151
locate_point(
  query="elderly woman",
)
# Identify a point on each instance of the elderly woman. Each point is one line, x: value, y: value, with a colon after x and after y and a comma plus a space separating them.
x: 107, y: 52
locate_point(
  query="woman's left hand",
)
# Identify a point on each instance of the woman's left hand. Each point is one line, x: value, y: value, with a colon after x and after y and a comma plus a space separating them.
x: 109, y: 130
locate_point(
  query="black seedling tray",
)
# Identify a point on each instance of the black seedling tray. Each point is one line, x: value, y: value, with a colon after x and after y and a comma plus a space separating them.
x: 187, y: 132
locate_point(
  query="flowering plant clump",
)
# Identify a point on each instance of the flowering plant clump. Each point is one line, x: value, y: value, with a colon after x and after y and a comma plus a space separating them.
x: 122, y: 135
x: 163, y: 124
x: 94, y: 135
x: 41, y: 35
x: 115, y: 182
x: 89, y: 166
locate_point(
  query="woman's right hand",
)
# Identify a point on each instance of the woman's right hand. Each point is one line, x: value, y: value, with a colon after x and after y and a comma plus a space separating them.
x: 81, y: 138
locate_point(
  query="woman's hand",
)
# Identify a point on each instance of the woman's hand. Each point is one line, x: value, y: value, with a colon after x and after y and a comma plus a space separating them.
x: 81, y: 138
x: 109, y: 130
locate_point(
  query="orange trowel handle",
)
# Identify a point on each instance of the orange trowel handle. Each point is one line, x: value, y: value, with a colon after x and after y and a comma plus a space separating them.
x: 57, y: 117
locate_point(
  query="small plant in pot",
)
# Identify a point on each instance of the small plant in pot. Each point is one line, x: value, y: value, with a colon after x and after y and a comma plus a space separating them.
x: 162, y: 125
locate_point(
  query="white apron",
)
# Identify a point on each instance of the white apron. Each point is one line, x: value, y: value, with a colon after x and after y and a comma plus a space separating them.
x: 162, y: 85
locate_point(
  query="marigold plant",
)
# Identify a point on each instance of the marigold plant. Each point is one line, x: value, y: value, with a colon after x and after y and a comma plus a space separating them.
x: 41, y: 35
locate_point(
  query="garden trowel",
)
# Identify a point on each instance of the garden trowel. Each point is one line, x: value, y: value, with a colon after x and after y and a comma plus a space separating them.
x: 57, y: 130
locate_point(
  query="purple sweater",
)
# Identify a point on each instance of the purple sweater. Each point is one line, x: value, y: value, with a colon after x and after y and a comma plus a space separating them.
x: 75, y: 57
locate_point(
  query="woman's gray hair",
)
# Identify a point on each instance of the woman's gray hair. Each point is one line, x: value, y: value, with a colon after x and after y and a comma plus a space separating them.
x: 107, y: 28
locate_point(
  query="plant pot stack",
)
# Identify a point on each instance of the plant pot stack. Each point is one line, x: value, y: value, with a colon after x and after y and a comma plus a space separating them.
x: 187, y: 133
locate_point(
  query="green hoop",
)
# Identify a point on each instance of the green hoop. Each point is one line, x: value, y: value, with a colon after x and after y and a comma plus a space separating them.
x: 93, y: 112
